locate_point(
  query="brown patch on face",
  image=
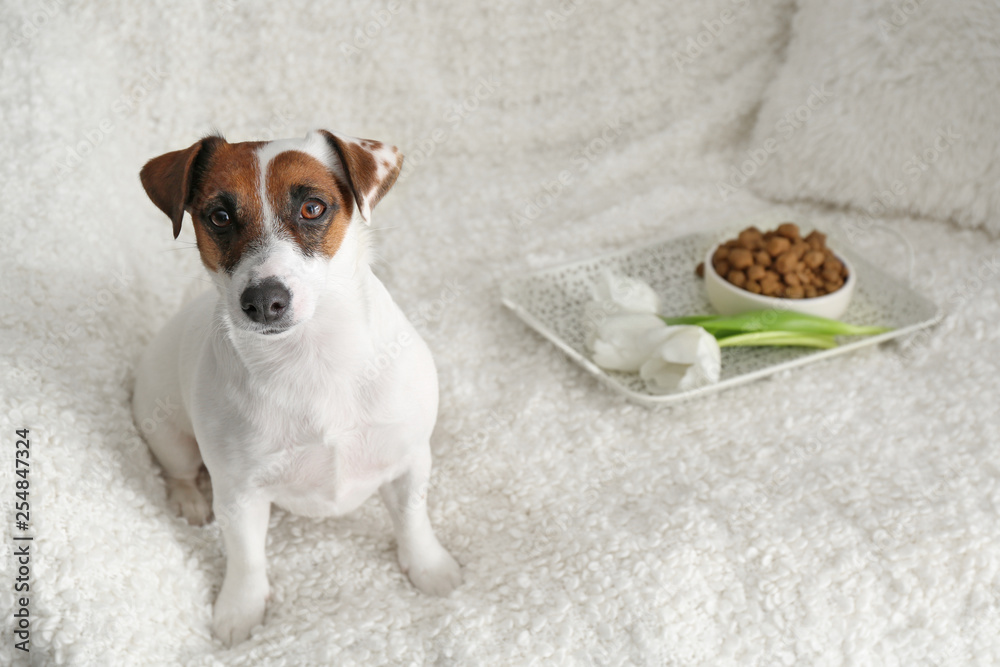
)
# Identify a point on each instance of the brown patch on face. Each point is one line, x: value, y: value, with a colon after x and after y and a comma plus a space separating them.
x: 227, y: 179
x: 294, y: 177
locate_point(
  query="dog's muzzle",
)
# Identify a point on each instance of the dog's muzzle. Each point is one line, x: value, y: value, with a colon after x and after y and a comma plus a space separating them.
x: 267, y: 302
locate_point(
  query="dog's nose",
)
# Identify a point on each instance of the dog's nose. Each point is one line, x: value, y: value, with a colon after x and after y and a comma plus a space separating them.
x: 266, y: 301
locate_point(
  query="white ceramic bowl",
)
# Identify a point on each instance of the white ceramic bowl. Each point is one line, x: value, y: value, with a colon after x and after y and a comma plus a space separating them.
x: 729, y: 299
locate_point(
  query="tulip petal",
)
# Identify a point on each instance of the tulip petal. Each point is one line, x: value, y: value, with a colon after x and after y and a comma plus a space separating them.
x: 625, y: 342
x: 686, y: 358
x: 625, y: 294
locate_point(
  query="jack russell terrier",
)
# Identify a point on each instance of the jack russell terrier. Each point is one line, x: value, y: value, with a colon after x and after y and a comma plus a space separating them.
x: 272, y: 370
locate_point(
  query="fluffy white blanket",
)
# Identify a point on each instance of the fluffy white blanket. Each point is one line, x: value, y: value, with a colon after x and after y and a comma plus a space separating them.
x: 840, y: 514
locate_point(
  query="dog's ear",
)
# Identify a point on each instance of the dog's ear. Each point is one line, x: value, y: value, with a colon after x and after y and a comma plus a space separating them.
x: 169, y: 179
x: 371, y: 168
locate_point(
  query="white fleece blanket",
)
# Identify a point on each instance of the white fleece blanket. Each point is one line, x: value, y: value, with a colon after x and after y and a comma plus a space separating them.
x: 840, y: 514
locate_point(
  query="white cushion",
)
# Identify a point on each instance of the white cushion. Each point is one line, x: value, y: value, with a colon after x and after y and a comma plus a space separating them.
x: 887, y: 108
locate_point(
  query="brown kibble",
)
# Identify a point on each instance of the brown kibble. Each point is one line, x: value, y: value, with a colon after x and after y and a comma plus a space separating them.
x: 779, y: 263
x: 777, y: 245
x: 786, y: 262
x: 799, y: 249
x: 740, y: 258
x: 751, y: 238
x: 816, y: 240
x: 814, y: 259
x: 789, y: 230
x: 700, y: 270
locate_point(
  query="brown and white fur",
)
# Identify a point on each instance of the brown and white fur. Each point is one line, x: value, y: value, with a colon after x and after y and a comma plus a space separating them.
x: 273, y: 369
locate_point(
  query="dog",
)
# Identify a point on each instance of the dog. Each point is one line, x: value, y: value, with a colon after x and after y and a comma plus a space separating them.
x: 300, y: 381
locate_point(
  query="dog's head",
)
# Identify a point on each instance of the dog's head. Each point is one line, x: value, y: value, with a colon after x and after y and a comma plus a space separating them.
x: 270, y: 217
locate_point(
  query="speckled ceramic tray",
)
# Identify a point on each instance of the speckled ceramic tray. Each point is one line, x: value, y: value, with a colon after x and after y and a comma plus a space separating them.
x: 552, y: 302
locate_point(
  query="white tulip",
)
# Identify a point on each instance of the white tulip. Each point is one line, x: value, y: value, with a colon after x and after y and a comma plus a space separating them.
x: 622, y: 294
x: 626, y: 342
x: 626, y: 334
x: 614, y: 294
x: 688, y: 357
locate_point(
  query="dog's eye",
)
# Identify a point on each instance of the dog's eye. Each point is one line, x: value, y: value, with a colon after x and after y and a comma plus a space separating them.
x: 220, y: 218
x: 312, y: 209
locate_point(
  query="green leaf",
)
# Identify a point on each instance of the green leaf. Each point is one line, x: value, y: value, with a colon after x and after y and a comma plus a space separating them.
x: 778, y: 338
x: 776, y: 320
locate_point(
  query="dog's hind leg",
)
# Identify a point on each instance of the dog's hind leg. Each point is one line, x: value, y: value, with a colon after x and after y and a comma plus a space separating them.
x: 181, y: 461
x: 183, y: 494
x: 177, y: 452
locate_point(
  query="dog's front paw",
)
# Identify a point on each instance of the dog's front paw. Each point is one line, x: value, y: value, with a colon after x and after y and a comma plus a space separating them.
x: 236, y: 614
x: 434, y: 573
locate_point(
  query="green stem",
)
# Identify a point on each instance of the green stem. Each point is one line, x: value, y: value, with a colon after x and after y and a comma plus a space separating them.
x: 778, y: 338
x: 776, y: 320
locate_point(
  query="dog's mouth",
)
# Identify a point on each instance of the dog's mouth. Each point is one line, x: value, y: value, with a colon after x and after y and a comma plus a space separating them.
x: 272, y: 330
x: 269, y: 330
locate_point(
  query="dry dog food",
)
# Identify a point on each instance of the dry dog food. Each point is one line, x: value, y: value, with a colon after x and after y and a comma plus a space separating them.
x: 779, y: 263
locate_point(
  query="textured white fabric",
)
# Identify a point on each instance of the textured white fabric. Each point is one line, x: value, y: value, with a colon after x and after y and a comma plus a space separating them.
x: 840, y: 514
x: 908, y: 120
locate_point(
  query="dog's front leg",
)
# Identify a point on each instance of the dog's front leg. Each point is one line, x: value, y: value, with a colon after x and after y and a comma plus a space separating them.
x: 243, y: 597
x: 430, y: 568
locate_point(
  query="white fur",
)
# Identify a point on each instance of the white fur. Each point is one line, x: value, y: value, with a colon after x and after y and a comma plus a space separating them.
x: 298, y: 418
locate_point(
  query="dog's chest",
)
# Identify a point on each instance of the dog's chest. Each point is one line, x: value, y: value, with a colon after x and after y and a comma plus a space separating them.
x: 330, y: 473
